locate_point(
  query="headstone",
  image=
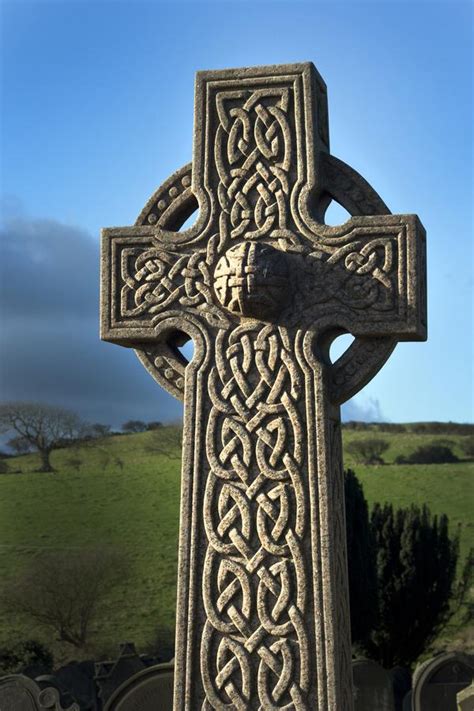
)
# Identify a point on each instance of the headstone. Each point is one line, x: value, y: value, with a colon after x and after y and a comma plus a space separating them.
x: 110, y: 675
x: 149, y: 690
x: 465, y: 699
x: 262, y: 287
x: 78, y: 679
x: 437, y: 681
x: 20, y: 693
x: 401, y: 685
x: 407, y: 702
x: 66, y: 699
x: 372, y: 687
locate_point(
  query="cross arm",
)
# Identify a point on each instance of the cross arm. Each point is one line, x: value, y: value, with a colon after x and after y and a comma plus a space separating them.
x: 367, y: 277
x: 144, y: 279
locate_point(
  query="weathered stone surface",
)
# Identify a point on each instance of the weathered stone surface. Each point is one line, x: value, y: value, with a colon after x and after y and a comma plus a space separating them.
x: 262, y: 287
x: 149, y: 690
x: 437, y: 681
x: 401, y: 685
x: 372, y: 687
x: 78, y: 679
x: 407, y: 702
x: 19, y: 693
x: 465, y: 699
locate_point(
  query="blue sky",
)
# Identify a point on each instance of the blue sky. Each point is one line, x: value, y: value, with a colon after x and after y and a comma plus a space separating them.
x: 97, y: 104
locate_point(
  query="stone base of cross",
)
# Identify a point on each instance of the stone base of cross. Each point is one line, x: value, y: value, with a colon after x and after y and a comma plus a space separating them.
x: 262, y: 286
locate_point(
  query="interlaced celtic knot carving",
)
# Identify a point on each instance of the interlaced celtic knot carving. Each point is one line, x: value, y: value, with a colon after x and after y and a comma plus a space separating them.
x: 252, y: 156
x: 156, y: 280
x: 255, y: 515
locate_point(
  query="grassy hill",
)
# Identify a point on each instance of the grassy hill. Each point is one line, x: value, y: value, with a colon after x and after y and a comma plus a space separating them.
x: 115, y: 492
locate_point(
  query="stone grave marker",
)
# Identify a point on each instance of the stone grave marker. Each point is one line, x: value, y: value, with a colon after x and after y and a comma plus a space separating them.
x: 20, y: 693
x: 148, y: 690
x: 372, y: 687
x: 437, y: 681
x: 407, y: 702
x: 401, y: 685
x: 262, y: 286
x: 111, y: 675
x: 465, y: 699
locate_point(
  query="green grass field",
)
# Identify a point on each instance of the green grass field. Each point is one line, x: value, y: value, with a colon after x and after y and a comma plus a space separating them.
x: 124, y: 496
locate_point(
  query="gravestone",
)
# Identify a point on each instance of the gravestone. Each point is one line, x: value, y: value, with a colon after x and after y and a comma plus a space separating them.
x: 20, y: 693
x: 437, y: 681
x: 149, y: 690
x: 262, y: 286
x: 401, y: 685
x: 78, y: 679
x: 372, y: 687
x: 465, y: 699
x: 110, y: 675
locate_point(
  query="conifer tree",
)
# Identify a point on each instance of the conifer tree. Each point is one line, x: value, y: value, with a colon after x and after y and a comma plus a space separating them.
x: 361, y: 561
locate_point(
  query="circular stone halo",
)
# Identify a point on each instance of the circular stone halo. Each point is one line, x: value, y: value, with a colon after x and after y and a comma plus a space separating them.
x: 174, y: 202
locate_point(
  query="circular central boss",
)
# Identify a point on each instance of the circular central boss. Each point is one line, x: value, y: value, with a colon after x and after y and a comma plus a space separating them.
x: 252, y: 279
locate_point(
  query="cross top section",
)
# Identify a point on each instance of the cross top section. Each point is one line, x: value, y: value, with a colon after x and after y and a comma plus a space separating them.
x: 258, y: 137
x: 260, y: 249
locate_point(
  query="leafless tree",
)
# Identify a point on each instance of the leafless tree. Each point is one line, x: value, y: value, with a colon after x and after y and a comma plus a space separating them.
x: 166, y: 441
x: 134, y: 426
x: 20, y: 445
x: 63, y: 590
x: 44, y: 427
x: 367, y: 451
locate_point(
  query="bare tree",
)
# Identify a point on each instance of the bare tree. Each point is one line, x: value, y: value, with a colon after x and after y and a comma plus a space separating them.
x: 44, y: 427
x: 20, y: 445
x: 63, y: 590
x: 134, y: 426
x: 367, y: 451
x: 99, y: 430
x: 166, y: 441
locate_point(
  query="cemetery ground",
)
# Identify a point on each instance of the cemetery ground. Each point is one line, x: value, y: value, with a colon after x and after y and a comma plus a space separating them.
x: 116, y: 492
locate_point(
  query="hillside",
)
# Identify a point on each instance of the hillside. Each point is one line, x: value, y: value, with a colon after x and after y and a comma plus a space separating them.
x: 115, y: 492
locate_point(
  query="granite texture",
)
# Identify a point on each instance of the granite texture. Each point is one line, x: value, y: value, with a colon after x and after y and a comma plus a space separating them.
x: 262, y: 286
x: 20, y: 693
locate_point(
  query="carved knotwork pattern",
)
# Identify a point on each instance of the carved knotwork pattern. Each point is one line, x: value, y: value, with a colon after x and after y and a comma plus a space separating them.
x: 157, y: 280
x: 253, y: 152
x: 255, y: 641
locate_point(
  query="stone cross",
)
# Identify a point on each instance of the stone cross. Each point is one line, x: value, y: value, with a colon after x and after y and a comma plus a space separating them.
x: 262, y: 286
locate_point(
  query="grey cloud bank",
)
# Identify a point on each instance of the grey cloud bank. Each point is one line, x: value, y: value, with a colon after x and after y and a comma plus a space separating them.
x: 50, y: 349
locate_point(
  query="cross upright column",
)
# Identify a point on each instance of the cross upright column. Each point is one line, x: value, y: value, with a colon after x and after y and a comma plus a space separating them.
x: 262, y: 286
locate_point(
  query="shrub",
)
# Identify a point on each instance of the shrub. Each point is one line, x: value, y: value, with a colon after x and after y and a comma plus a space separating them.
x: 25, y: 655
x: 367, y: 451
x: 433, y: 453
x: 416, y: 566
x: 63, y: 591
x: 468, y: 446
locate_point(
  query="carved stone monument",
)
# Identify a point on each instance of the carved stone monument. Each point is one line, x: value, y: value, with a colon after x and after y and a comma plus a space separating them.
x: 373, y: 689
x: 20, y: 693
x: 148, y: 690
x: 437, y: 681
x: 262, y: 286
x: 465, y: 699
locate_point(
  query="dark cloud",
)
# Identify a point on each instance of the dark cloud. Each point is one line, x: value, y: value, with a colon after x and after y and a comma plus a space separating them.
x: 50, y: 349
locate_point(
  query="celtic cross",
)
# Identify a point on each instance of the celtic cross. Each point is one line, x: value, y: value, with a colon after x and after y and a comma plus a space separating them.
x: 262, y: 286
